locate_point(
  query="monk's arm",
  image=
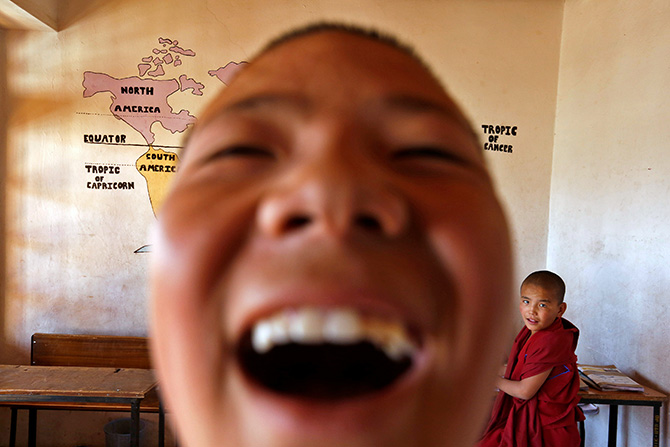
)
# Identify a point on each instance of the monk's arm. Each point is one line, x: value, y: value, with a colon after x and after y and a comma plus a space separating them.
x: 524, y: 388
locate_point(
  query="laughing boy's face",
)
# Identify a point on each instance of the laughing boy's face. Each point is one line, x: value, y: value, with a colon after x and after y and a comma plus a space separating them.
x: 332, y: 267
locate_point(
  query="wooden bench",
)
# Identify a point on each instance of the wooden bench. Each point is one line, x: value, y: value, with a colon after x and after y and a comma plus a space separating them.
x: 91, y: 351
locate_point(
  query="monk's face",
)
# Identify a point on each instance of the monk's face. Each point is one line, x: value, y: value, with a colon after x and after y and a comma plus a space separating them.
x: 332, y: 266
x: 539, y: 307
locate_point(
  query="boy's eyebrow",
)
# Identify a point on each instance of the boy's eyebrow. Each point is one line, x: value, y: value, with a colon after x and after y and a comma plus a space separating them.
x: 419, y: 104
x: 401, y: 102
x: 268, y: 99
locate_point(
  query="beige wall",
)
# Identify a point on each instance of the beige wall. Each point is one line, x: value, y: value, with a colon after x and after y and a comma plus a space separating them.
x: 3, y: 170
x: 609, y: 232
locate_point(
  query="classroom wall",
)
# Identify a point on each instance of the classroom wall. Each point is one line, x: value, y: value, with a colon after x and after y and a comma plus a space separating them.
x: 609, y: 232
x: 3, y: 170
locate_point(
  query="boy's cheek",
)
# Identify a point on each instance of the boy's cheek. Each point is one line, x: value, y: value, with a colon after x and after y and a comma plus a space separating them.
x: 199, y: 234
x: 474, y: 247
x: 189, y: 351
x: 472, y: 241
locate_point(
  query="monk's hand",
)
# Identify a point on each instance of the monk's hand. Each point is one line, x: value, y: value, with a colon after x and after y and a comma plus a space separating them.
x: 503, y: 369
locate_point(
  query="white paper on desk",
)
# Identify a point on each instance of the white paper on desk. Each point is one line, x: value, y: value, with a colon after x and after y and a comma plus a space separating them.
x: 610, y: 381
x: 610, y: 378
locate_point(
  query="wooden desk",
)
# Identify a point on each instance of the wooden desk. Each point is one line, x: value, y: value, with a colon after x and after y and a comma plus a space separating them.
x: 30, y: 385
x: 648, y: 398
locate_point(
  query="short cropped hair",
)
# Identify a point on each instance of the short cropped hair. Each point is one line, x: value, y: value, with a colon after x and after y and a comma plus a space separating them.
x: 369, y: 33
x: 548, y: 281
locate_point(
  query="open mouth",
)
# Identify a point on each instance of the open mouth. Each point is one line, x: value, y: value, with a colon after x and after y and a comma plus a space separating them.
x: 326, y: 354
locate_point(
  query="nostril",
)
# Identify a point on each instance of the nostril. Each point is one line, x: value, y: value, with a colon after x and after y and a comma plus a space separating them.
x: 368, y: 222
x: 296, y: 222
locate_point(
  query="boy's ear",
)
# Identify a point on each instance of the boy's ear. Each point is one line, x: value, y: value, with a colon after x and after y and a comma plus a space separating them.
x: 562, y: 308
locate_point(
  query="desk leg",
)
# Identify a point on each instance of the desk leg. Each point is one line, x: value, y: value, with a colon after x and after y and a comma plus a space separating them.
x: 135, y: 423
x: 12, y: 429
x: 32, y: 427
x: 161, y: 424
x: 614, y: 418
x: 657, y: 424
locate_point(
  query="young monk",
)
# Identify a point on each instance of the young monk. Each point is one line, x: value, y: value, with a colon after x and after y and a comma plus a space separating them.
x: 537, y: 402
x: 332, y: 266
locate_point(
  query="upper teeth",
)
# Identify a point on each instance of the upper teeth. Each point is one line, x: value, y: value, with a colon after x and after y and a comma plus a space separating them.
x: 311, y: 325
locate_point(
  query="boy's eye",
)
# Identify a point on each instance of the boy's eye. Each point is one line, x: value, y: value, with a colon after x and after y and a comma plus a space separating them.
x: 238, y: 161
x: 426, y: 152
x: 243, y: 151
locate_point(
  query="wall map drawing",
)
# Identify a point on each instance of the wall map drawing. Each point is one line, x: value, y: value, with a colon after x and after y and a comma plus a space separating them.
x: 141, y: 102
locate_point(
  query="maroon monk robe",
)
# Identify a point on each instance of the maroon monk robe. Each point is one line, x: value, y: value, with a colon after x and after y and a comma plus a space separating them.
x: 550, y: 417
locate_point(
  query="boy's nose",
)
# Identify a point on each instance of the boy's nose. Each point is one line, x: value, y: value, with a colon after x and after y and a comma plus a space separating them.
x: 334, y: 197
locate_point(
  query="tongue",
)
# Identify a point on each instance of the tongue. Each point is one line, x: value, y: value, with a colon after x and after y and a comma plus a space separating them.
x: 323, y: 371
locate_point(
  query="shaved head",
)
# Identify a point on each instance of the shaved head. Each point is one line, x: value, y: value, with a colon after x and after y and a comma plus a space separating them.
x: 549, y: 281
